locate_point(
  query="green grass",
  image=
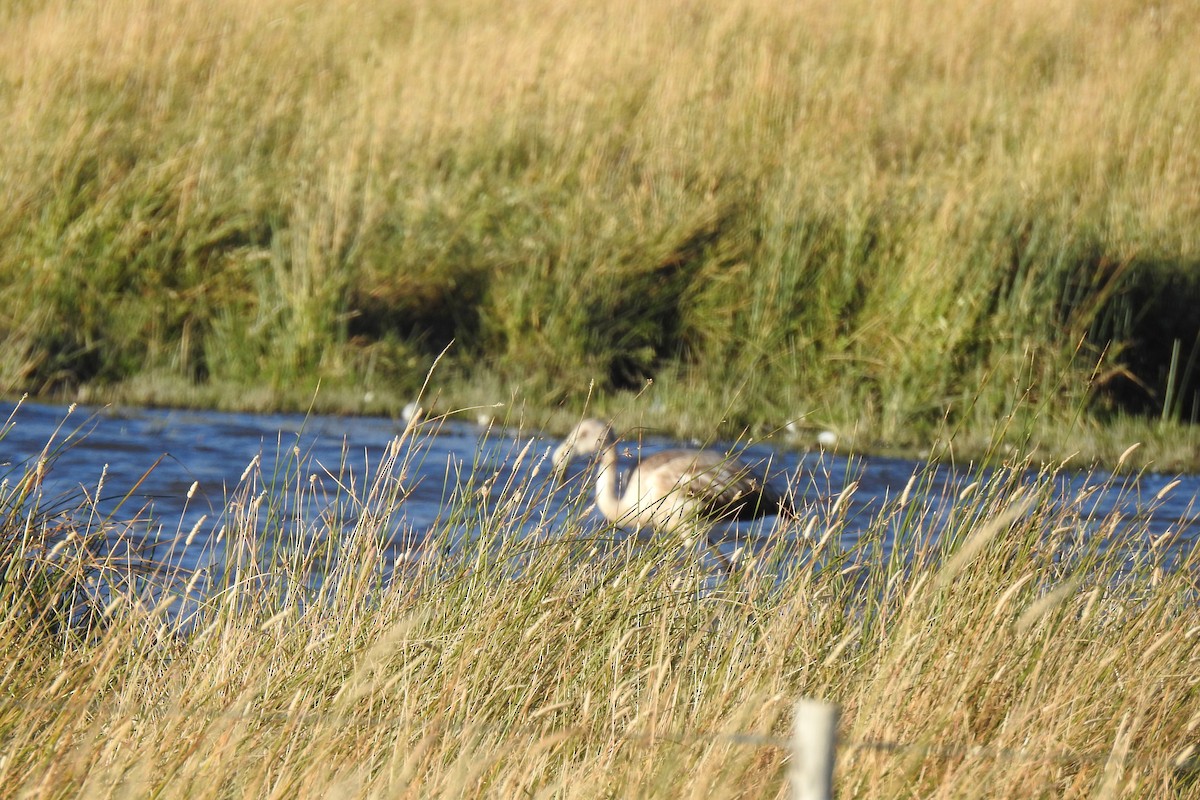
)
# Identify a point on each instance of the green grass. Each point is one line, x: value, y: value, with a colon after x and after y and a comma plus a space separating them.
x: 877, y: 218
x: 1016, y: 648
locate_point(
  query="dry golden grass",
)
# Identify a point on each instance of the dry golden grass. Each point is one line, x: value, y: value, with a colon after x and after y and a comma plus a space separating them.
x: 1007, y: 646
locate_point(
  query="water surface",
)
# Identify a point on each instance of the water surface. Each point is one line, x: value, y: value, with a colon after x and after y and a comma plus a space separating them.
x: 175, y: 472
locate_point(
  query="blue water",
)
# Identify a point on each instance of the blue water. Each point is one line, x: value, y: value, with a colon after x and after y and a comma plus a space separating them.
x: 151, y: 460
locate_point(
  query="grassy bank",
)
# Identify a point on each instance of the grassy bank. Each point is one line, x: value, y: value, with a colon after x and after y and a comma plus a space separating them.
x: 877, y: 217
x: 1010, y: 646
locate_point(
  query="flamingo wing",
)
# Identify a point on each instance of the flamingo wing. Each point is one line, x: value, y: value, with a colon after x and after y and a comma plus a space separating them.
x: 719, y: 485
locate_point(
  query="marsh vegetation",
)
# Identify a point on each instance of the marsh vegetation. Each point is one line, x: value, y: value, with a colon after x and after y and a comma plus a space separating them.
x: 889, y: 220
x: 1001, y: 640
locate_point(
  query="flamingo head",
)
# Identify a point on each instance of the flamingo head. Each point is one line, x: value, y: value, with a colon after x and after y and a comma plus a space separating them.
x: 589, y: 437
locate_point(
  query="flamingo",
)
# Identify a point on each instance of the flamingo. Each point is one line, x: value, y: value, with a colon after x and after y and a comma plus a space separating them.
x: 673, y: 491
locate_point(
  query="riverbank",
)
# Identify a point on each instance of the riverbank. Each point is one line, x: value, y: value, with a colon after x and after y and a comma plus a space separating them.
x: 1080, y: 441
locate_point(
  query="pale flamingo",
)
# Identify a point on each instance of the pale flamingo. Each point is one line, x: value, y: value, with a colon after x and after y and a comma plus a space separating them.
x: 672, y: 491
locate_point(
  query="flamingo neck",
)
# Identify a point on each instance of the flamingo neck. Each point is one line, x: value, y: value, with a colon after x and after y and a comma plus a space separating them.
x: 608, y: 500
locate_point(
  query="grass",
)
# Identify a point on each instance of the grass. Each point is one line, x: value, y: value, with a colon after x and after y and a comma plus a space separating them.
x: 1008, y: 643
x: 874, y: 217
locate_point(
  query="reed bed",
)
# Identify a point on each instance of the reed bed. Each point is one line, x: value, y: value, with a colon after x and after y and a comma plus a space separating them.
x: 1007, y: 643
x: 872, y: 217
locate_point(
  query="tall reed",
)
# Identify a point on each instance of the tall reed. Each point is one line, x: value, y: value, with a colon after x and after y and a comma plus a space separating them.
x: 991, y: 639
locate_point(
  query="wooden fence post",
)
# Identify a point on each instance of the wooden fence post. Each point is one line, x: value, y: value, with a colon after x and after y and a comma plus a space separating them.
x: 814, y: 748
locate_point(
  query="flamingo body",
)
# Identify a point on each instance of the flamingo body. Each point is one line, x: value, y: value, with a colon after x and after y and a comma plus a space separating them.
x: 673, y: 490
